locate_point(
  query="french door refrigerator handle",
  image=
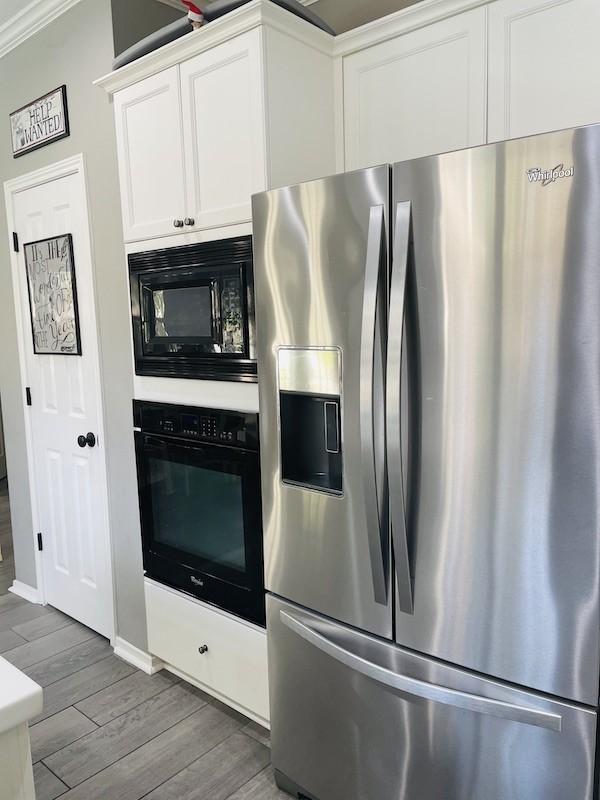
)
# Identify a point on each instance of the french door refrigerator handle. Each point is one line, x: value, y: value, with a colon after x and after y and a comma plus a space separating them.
x: 402, y: 231
x: 418, y: 688
x: 367, y: 433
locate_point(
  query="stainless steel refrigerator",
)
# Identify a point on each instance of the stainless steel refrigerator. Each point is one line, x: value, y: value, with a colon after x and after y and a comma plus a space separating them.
x: 429, y: 376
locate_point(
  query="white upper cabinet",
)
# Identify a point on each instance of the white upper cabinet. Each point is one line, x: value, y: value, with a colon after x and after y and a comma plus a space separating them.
x: 224, y: 131
x: 420, y: 93
x: 149, y: 144
x: 544, y: 67
x: 242, y: 105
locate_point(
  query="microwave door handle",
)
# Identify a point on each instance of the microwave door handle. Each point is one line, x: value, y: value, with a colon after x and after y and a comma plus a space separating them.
x: 402, y: 231
x: 367, y: 384
x: 414, y: 687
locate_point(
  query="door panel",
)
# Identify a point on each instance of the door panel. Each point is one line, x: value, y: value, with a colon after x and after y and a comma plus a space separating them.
x: 504, y: 521
x: 418, y: 94
x: 325, y: 550
x: 70, y: 482
x: 382, y: 742
x: 223, y: 127
x: 530, y: 41
x: 150, y: 149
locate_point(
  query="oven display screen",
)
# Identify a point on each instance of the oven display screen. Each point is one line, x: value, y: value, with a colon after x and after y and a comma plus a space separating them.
x: 198, y: 511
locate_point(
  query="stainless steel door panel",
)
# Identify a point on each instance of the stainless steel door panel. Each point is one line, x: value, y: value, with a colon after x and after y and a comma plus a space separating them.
x: 357, y: 718
x: 505, y: 500
x: 317, y: 250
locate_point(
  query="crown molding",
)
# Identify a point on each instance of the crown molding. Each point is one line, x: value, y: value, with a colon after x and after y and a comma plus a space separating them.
x: 30, y: 20
x: 245, y: 18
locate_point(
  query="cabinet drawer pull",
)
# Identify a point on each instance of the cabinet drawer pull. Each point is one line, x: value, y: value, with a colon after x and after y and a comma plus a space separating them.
x: 189, y: 221
x: 203, y: 649
x: 178, y: 223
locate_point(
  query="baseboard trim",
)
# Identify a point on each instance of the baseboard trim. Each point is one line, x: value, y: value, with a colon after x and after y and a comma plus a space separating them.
x: 136, y: 657
x: 25, y: 591
x: 218, y: 696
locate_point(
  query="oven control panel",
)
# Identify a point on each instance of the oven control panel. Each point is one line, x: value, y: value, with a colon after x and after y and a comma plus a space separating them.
x: 211, y: 425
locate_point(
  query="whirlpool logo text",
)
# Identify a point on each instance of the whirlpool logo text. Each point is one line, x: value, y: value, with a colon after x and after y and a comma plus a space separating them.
x: 548, y: 176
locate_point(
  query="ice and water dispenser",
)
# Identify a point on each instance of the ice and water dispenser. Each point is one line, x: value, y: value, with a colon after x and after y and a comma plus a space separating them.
x: 311, y: 418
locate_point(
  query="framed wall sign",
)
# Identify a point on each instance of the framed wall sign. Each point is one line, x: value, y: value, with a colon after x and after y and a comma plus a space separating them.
x: 53, y: 296
x: 38, y: 123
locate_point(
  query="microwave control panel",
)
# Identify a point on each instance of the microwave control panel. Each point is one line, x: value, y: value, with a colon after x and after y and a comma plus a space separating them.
x: 210, y: 425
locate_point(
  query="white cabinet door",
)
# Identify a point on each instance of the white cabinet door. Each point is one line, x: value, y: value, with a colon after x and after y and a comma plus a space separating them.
x: 544, y: 69
x: 150, y: 148
x: 223, y: 124
x: 224, y: 655
x: 421, y: 93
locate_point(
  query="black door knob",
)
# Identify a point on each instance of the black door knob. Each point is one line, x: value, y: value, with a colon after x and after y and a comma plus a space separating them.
x: 89, y: 440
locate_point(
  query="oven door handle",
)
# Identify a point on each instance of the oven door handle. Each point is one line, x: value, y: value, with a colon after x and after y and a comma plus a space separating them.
x: 190, y: 444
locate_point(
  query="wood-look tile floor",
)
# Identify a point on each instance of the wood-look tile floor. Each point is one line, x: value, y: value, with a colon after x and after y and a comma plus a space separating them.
x: 7, y: 565
x: 111, y: 732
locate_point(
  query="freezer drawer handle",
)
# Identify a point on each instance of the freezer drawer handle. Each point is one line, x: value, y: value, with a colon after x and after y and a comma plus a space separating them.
x: 369, y: 454
x: 402, y: 234
x: 417, y: 688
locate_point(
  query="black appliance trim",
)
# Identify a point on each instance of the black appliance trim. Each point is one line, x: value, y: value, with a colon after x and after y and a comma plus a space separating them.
x: 211, y: 258
x: 241, y: 594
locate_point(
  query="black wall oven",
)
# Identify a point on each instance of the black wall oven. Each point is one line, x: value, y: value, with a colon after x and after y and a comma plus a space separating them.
x: 192, y: 311
x: 200, y: 503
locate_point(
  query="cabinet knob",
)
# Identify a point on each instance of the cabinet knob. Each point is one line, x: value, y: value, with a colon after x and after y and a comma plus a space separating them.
x: 189, y: 221
x: 178, y: 223
x: 203, y: 649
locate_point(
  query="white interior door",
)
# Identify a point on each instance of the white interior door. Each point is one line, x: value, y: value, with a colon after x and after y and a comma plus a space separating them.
x: 70, y: 480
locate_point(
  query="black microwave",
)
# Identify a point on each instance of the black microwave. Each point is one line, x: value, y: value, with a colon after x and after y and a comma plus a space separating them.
x: 192, y: 310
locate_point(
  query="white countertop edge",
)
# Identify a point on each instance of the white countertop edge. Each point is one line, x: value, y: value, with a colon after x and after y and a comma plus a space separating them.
x: 21, y: 699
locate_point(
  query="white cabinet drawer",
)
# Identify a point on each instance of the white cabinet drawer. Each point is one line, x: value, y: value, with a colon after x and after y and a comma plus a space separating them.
x: 234, y: 666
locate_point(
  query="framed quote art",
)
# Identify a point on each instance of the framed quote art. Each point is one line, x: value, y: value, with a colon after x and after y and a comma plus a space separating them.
x: 52, y: 293
x: 40, y: 122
